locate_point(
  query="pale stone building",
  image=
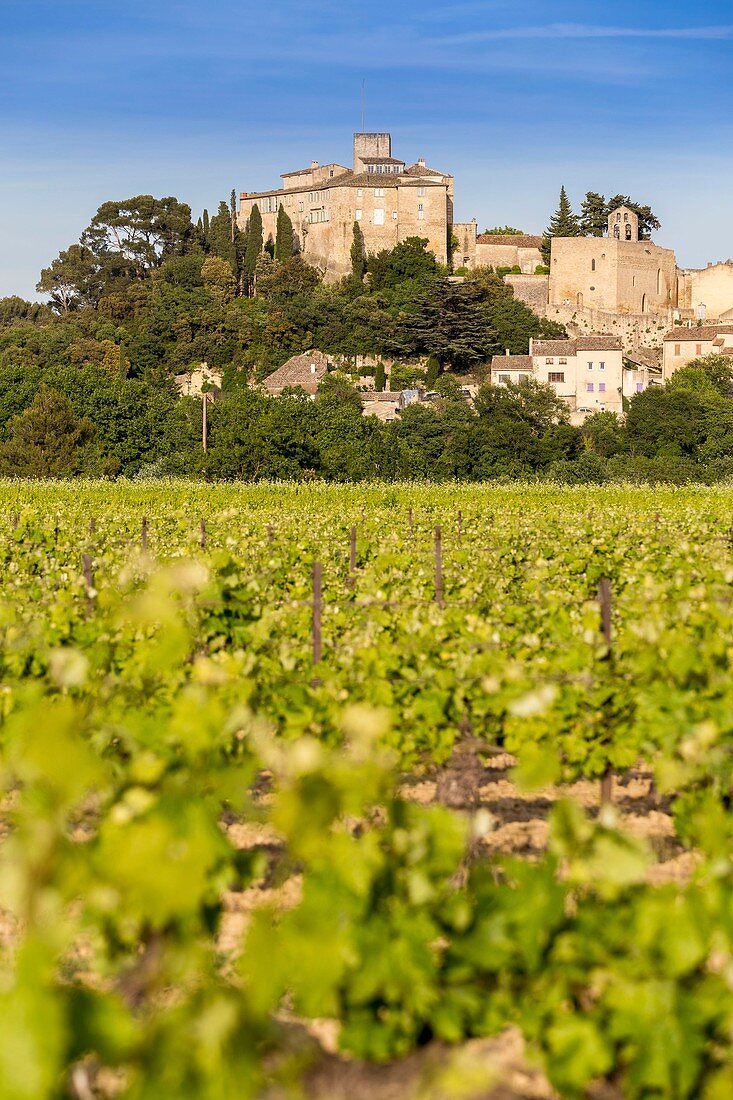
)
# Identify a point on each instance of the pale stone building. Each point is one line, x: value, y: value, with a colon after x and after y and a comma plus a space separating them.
x: 617, y: 274
x: 587, y: 373
x: 200, y: 380
x: 472, y: 249
x: 706, y: 294
x: 388, y: 199
x: 683, y: 344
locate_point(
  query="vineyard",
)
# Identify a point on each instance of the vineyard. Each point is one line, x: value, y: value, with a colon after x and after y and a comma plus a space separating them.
x: 299, y: 778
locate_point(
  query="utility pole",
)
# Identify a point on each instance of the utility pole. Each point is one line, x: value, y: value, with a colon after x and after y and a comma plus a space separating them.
x: 204, y: 422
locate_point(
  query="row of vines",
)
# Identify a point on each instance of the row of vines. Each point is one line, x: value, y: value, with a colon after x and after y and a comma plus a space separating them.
x: 161, y: 700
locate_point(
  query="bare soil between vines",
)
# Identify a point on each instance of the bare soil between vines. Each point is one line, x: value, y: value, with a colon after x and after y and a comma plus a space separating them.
x: 469, y: 782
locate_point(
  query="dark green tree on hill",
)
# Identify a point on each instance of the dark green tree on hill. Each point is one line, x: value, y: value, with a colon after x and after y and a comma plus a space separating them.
x: 47, y: 440
x: 284, y: 238
x: 563, y: 223
x: 358, y: 254
x: 596, y: 209
x: 253, y: 251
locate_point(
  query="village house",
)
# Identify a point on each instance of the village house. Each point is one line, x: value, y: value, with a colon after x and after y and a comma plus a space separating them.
x: 305, y: 371
x: 683, y: 344
x: 587, y: 373
x: 389, y: 199
x: 200, y: 380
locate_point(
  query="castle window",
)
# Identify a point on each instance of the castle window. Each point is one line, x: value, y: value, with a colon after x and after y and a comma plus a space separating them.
x: 420, y: 211
x: 421, y: 191
x: 504, y: 379
x: 677, y: 349
x: 556, y: 376
x: 563, y: 362
x: 379, y: 216
x: 698, y: 349
x: 359, y: 192
x: 593, y: 265
x: 601, y: 366
x: 639, y: 387
x: 378, y: 192
x: 549, y: 361
x: 370, y: 168
x: 589, y: 387
x: 590, y: 366
x: 394, y: 215
x: 524, y: 378
x: 358, y: 215
x: 601, y: 387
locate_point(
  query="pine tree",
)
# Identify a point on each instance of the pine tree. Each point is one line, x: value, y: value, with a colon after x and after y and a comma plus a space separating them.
x: 593, y: 215
x: 254, y: 245
x: 284, y: 237
x: 358, y: 254
x: 563, y: 223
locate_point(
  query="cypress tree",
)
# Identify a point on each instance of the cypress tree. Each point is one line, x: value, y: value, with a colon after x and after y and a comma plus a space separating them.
x: 358, y: 254
x: 220, y: 237
x: 233, y: 210
x: 563, y: 223
x: 380, y: 377
x: 284, y: 237
x: 254, y: 244
x: 205, y: 225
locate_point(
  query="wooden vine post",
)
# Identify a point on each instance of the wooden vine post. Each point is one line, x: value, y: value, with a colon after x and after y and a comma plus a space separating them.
x: 438, y: 550
x: 317, y: 610
x: 86, y: 563
x: 352, y: 557
x: 604, y: 599
x: 202, y: 534
x: 144, y: 535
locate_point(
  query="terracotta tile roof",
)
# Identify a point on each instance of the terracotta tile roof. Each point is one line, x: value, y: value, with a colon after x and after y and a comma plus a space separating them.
x: 554, y: 347
x: 650, y: 358
x: 515, y: 240
x: 305, y: 370
x: 371, y: 397
x: 599, y: 343
x: 700, y: 334
x: 423, y: 170
x: 511, y: 362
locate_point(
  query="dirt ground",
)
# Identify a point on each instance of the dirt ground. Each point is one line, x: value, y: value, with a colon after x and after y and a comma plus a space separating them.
x: 497, y: 1068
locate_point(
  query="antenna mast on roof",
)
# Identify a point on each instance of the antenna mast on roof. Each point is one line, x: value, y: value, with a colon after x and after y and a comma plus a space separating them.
x: 363, y: 103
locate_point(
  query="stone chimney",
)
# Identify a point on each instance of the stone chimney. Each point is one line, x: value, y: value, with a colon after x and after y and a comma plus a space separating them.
x: 421, y: 162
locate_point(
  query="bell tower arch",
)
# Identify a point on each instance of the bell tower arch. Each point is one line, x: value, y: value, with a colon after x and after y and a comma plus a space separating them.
x: 623, y: 224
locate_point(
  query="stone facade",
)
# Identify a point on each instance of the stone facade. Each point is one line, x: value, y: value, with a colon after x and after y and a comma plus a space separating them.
x: 614, y: 274
x: 472, y: 249
x: 389, y: 200
x: 707, y: 293
x: 685, y: 343
x: 587, y: 373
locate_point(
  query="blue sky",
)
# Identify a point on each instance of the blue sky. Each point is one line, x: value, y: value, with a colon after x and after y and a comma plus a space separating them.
x: 103, y: 99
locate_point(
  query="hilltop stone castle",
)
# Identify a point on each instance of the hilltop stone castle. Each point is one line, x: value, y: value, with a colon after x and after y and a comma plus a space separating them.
x: 617, y: 284
x: 388, y: 199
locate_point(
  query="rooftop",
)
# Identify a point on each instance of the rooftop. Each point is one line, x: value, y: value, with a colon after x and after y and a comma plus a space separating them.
x: 306, y: 371
x: 702, y: 333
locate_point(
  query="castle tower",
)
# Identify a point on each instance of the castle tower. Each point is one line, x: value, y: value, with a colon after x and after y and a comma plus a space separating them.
x: 623, y: 225
x: 369, y: 147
